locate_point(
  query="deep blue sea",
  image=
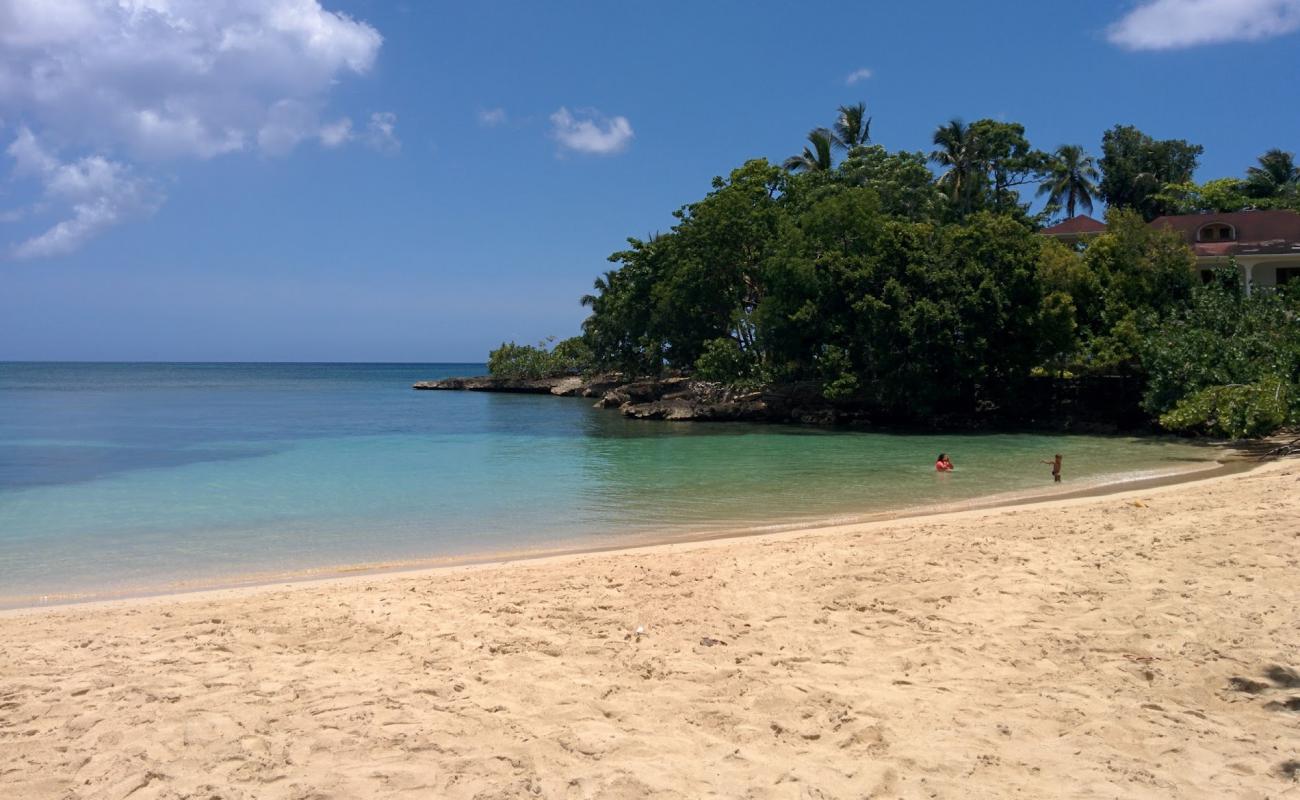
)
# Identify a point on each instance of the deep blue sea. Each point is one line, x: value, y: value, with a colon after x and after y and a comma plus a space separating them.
x: 130, y: 478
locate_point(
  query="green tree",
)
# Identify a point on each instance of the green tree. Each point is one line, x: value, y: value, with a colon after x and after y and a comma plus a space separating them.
x: 957, y: 153
x: 1135, y: 169
x: 700, y: 282
x: 816, y: 157
x: 1226, y: 363
x: 715, y: 282
x: 1131, y: 272
x: 723, y: 361
x: 983, y: 163
x: 902, y: 181
x: 1007, y: 159
x: 911, y: 318
x: 853, y: 127
x: 1277, y: 175
x: 1235, y: 411
x: 824, y: 247
x: 1219, y: 195
x: 623, y: 330
x: 1070, y: 179
x: 1071, y: 294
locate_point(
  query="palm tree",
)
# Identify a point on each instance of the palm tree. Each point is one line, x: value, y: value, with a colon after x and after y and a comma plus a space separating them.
x: 1070, y: 179
x: 816, y: 159
x: 602, y: 287
x: 957, y: 150
x: 1276, y: 174
x: 853, y: 128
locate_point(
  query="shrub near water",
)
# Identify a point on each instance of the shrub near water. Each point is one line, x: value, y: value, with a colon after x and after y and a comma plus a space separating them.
x: 528, y: 362
x: 1228, y: 364
x: 724, y: 361
x: 1238, y: 411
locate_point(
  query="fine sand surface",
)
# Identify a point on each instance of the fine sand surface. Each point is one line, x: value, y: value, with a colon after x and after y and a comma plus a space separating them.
x: 1137, y: 645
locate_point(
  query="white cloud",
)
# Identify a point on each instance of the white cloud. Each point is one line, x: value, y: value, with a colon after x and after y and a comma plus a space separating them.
x: 146, y: 81
x: 857, y: 76
x: 492, y: 117
x: 30, y: 158
x: 164, y: 79
x: 1170, y: 24
x: 92, y: 193
x: 380, y: 132
x: 336, y: 133
x: 589, y: 131
x: 287, y: 123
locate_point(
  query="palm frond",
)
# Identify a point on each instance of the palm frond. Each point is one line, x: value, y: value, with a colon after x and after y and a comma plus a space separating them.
x: 1069, y: 179
x: 853, y: 127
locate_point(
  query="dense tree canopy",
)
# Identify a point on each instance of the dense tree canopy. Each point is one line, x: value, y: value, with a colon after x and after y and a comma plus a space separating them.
x: 982, y: 164
x: 862, y: 279
x: 919, y: 293
x: 1136, y: 168
x: 1225, y: 363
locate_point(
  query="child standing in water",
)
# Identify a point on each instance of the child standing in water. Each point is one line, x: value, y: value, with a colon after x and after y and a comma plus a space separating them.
x: 1056, y: 468
x: 943, y: 464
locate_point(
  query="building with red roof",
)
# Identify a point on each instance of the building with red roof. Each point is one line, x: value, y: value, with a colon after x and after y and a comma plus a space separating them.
x: 1264, y: 243
x: 1075, y: 229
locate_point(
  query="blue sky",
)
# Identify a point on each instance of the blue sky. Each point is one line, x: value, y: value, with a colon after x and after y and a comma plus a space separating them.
x: 379, y: 181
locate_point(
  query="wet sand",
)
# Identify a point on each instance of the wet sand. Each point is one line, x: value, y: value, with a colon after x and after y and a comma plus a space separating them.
x: 1140, y: 644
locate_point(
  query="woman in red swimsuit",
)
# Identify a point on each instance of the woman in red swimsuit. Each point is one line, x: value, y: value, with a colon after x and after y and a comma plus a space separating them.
x: 943, y: 464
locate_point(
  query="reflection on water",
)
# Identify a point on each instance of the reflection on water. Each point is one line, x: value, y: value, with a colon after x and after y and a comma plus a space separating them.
x: 143, y: 474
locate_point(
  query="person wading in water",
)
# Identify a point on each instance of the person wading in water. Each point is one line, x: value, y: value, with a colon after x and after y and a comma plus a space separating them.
x: 1056, y: 468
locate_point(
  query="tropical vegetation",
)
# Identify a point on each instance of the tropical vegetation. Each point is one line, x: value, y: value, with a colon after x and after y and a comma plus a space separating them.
x: 1069, y: 180
x: 546, y: 359
x: 914, y: 285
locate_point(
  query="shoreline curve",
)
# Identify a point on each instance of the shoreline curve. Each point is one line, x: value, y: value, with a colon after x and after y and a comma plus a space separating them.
x: 1231, y: 462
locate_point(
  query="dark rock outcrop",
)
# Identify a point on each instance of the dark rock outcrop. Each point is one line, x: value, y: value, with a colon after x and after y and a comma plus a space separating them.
x: 643, y: 391
x: 702, y: 401
x: 1097, y: 405
x: 563, y: 386
x: 598, y: 386
x: 674, y: 398
x: 683, y: 399
x: 490, y: 384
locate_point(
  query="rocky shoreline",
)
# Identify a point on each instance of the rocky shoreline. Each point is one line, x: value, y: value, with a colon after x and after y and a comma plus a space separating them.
x: 1099, y: 405
x: 677, y: 398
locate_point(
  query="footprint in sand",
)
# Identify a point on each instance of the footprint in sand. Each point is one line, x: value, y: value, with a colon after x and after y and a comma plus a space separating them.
x: 1279, y: 680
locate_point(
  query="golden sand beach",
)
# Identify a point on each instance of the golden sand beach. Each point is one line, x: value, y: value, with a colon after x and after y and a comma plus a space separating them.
x: 1143, y: 644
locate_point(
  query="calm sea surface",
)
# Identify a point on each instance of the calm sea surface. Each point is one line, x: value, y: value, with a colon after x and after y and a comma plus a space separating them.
x: 133, y: 477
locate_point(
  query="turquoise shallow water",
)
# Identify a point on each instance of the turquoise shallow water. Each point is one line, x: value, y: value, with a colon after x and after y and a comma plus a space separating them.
x: 133, y: 477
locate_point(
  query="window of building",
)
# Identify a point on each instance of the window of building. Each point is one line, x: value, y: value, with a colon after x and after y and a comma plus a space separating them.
x: 1216, y: 232
x: 1286, y: 275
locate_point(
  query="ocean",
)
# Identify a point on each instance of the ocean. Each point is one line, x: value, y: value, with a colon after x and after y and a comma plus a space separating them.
x: 136, y: 478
